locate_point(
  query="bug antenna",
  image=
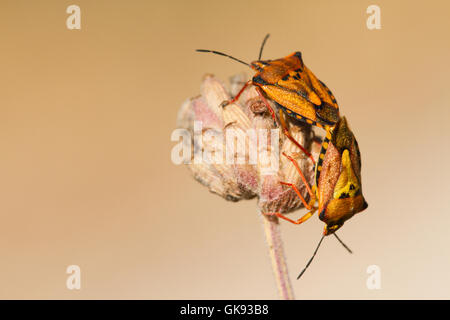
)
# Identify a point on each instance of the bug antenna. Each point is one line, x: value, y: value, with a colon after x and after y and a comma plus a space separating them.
x: 225, y: 55
x: 343, y: 244
x: 262, y: 45
x: 310, y: 260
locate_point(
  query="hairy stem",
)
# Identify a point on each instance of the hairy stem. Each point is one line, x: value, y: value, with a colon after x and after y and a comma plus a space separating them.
x: 279, y: 266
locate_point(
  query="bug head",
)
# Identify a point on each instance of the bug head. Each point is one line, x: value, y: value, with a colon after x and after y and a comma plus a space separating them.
x: 339, y: 185
x: 258, y: 65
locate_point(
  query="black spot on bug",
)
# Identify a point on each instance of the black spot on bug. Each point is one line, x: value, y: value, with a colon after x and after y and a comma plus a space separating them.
x: 344, y: 195
x: 365, y: 205
x: 302, y: 93
x: 259, y: 80
x: 285, y: 78
x: 298, y: 54
x: 357, y: 149
x: 265, y: 63
x: 319, y: 163
x: 294, y: 116
x: 322, y: 215
x: 328, y: 114
x: 297, y: 76
x: 352, y: 187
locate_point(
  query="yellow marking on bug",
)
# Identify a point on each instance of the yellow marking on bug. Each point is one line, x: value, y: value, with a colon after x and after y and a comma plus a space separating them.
x: 325, y: 145
x: 347, y: 183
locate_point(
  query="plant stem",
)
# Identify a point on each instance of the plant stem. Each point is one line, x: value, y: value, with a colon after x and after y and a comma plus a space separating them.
x: 279, y: 266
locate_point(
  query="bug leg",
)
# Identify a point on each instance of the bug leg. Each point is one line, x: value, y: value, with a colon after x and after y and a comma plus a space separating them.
x: 272, y: 113
x: 298, y: 221
x: 227, y: 102
x: 288, y: 134
x: 302, y: 176
x: 309, y: 206
x: 306, y: 204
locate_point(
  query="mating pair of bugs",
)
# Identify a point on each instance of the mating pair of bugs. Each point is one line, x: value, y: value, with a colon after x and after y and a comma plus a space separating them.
x: 296, y: 91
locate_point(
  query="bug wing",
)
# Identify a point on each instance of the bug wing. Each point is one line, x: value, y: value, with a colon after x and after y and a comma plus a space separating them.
x: 291, y: 101
x: 321, y: 89
x: 299, y: 83
x: 310, y: 99
x: 329, y: 111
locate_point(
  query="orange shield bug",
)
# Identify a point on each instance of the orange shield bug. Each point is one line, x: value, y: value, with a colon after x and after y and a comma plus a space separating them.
x: 294, y: 88
x: 338, y: 178
x: 337, y: 186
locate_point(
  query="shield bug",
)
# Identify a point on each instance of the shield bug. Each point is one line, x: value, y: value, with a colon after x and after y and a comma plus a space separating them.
x: 337, y: 187
x: 293, y: 87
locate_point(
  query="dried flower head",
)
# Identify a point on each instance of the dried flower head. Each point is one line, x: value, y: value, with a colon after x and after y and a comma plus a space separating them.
x: 238, y: 149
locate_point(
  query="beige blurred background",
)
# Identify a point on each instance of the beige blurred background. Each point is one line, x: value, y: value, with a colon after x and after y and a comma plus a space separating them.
x: 86, y: 177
